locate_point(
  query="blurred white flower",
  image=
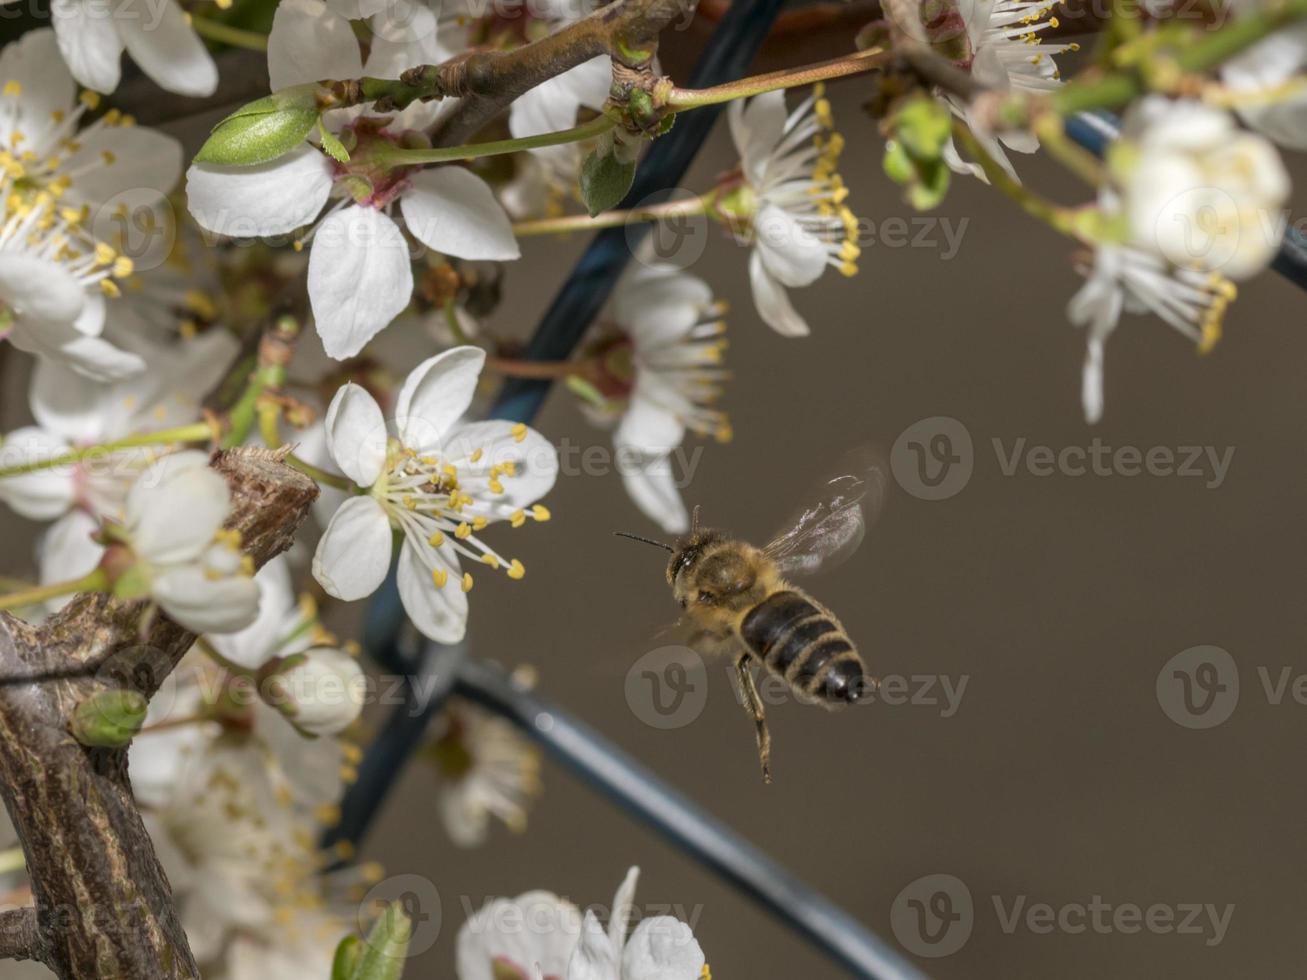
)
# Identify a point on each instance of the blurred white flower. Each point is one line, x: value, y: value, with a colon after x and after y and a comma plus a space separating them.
x: 487, y: 770
x: 53, y: 282
x: 93, y: 34
x: 1129, y: 280
x: 436, y: 480
x: 1197, y: 190
x: 493, y: 945
x: 242, y: 862
x: 360, y: 271
x: 111, y: 160
x: 1270, y: 74
x: 72, y: 414
x: 180, y: 556
x: 1007, y: 54
x: 661, y: 375
x: 791, y: 201
x: 324, y: 689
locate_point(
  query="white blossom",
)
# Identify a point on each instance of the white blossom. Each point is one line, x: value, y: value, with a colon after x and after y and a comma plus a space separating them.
x: 791, y: 201
x: 559, y: 942
x: 1007, y: 54
x: 1197, y: 190
x: 487, y: 771
x: 1270, y: 75
x: 324, y: 690
x: 360, y: 274
x: 661, y: 376
x: 438, y: 481
x: 93, y: 35
x: 181, y: 557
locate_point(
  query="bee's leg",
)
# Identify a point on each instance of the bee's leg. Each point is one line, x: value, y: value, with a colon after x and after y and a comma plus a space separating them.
x: 753, y: 703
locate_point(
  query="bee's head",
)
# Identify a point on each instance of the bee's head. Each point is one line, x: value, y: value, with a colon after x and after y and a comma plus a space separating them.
x: 686, y: 554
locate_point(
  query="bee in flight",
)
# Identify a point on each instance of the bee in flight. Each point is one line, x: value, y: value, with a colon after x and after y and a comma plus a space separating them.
x: 738, y: 601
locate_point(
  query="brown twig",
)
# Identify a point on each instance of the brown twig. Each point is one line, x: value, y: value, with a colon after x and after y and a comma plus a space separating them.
x: 103, y: 907
x: 18, y: 938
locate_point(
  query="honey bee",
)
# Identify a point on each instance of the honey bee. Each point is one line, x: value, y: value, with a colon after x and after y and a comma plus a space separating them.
x: 738, y: 600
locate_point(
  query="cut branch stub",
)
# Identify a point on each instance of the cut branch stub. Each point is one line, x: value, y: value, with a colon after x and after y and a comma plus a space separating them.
x: 103, y: 906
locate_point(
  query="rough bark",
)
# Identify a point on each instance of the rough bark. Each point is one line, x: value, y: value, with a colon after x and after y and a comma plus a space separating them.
x: 103, y: 908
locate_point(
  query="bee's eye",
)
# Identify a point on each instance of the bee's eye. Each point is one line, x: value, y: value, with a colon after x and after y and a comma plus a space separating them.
x: 705, y: 596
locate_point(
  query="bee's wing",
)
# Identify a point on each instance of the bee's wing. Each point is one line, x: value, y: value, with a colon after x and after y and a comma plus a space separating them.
x: 836, y: 515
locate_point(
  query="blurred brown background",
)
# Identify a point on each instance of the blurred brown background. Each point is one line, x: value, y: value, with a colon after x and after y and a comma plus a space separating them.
x: 1058, y: 598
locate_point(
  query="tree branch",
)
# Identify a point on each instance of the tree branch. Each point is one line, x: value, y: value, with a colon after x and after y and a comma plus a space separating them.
x: 103, y: 906
x: 18, y: 938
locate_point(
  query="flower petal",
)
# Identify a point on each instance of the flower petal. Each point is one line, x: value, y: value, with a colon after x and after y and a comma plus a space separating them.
x: 534, y: 459
x: 662, y: 948
x: 553, y: 104
x: 360, y: 278
x: 404, y: 34
x: 435, y: 395
x: 67, y: 551
x: 651, y: 485
x: 270, y: 199
x: 112, y: 160
x: 354, y: 554
x: 452, y: 210
x: 41, y: 495
x: 168, y: 50
x: 619, y: 917
x: 756, y: 128
x: 89, y: 42
x: 45, y: 86
x: 659, y: 303
x: 594, y: 957
x: 308, y: 43
x: 278, y: 616
x: 773, y: 303
x: 176, y: 507
x: 38, y: 288
x: 356, y: 434
x: 792, y: 254
x: 439, y: 614
x: 648, y: 428
x: 204, y: 604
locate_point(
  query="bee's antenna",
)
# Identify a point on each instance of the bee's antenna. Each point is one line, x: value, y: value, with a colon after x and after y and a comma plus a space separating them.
x: 636, y: 537
x: 694, y: 523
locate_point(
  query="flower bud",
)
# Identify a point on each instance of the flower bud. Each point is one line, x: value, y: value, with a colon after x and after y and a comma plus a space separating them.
x: 320, y: 691
x: 109, y: 719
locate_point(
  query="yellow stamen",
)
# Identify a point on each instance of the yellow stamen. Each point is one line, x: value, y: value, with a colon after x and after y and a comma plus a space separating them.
x: 516, y: 570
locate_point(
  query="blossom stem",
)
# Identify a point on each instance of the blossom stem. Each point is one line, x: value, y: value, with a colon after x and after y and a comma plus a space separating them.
x: 451, y: 320
x: 320, y: 475
x: 612, y: 219
x: 95, y: 581
x: 854, y: 64
x: 1058, y: 218
x: 194, y: 432
x: 216, y: 30
x: 399, y: 157
x: 230, y: 666
x: 1205, y: 49
x: 276, y: 347
x: 535, y: 369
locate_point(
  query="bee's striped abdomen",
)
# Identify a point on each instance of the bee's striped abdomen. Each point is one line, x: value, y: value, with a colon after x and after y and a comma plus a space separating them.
x: 796, y: 638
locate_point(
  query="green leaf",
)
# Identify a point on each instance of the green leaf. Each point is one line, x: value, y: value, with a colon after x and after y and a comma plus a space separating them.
x: 334, y: 147
x: 386, y: 947
x: 347, y: 958
x: 263, y: 130
x: 931, y: 185
x: 605, y: 179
